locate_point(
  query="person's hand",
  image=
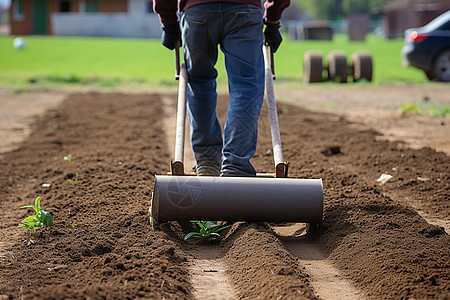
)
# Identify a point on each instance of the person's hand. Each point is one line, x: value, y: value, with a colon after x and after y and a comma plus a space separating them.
x: 171, y: 36
x: 272, y: 35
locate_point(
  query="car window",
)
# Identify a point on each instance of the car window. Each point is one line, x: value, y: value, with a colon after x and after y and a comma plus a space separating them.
x: 439, y: 21
x: 446, y: 26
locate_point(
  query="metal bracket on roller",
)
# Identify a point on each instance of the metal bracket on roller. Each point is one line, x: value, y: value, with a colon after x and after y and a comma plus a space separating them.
x: 275, y: 198
x: 281, y: 170
x: 176, y: 168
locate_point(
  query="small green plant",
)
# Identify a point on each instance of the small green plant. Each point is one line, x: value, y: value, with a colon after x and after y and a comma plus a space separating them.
x: 73, y: 180
x: 40, y: 219
x: 68, y: 158
x: 410, y: 108
x: 208, y: 229
x: 440, y: 112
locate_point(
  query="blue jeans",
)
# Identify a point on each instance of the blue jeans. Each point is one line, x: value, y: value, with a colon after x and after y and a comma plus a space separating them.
x: 237, y: 28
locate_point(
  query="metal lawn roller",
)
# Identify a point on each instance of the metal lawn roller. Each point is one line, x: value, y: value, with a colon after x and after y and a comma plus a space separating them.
x: 269, y: 197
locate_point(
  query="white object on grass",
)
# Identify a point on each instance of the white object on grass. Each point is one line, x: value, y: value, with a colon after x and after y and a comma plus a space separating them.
x: 19, y: 43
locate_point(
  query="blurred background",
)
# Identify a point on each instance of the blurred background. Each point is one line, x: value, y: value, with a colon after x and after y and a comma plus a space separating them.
x: 115, y: 43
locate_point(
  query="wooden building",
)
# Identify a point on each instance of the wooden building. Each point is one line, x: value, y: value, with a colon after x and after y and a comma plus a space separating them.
x: 399, y: 15
x: 115, y: 18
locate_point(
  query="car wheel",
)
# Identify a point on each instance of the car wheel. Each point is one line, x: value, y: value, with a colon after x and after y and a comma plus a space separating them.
x: 313, y: 66
x: 441, y: 67
x: 362, y: 66
x: 337, y: 66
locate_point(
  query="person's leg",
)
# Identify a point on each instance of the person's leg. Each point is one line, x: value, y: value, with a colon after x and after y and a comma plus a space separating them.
x: 200, y: 34
x: 242, y: 46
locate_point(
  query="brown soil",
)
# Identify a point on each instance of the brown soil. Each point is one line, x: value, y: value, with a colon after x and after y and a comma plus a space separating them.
x: 101, y: 245
x: 18, y: 111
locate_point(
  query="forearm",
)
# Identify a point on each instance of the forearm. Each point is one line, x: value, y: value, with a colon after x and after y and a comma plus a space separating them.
x: 167, y: 11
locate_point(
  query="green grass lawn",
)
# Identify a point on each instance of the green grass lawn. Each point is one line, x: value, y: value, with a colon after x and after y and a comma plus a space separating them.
x: 85, y: 61
x: 49, y: 61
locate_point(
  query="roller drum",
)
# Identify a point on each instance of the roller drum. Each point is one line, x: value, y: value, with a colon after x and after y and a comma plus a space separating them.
x: 251, y: 199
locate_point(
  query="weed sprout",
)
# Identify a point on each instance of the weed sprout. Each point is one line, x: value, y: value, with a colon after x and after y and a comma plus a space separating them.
x: 73, y: 180
x: 208, y: 229
x: 40, y: 219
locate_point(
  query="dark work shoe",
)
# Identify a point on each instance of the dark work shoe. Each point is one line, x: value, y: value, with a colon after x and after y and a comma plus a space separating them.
x: 207, y: 171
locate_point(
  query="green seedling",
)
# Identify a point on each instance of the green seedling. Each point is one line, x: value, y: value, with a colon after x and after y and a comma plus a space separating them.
x: 410, y: 108
x: 426, y: 107
x: 74, y: 180
x: 440, y: 112
x: 40, y: 219
x: 208, y: 229
x: 68, y: 158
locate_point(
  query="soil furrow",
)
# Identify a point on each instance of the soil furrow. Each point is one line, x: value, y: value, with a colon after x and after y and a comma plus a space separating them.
x: 209, y: 276
x: 326, y: 280
x: 206, y: 274
x: 206, y: 269
x: 261, y: 267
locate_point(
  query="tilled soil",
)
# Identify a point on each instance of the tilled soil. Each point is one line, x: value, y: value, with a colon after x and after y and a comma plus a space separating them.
x: 102, y: 245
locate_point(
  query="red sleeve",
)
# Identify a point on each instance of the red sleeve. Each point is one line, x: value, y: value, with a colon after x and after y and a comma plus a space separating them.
x: 274, y: 9
x: 167, y: 11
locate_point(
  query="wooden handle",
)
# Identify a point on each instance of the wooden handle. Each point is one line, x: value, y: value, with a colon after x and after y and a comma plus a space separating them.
x: 280, y: 165
x: 178, y: 163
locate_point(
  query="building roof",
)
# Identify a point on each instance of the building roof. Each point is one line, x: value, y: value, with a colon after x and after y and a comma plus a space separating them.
x: 402, y: 4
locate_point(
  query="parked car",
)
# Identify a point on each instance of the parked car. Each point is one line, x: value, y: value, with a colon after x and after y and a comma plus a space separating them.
x: 428, y: 48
